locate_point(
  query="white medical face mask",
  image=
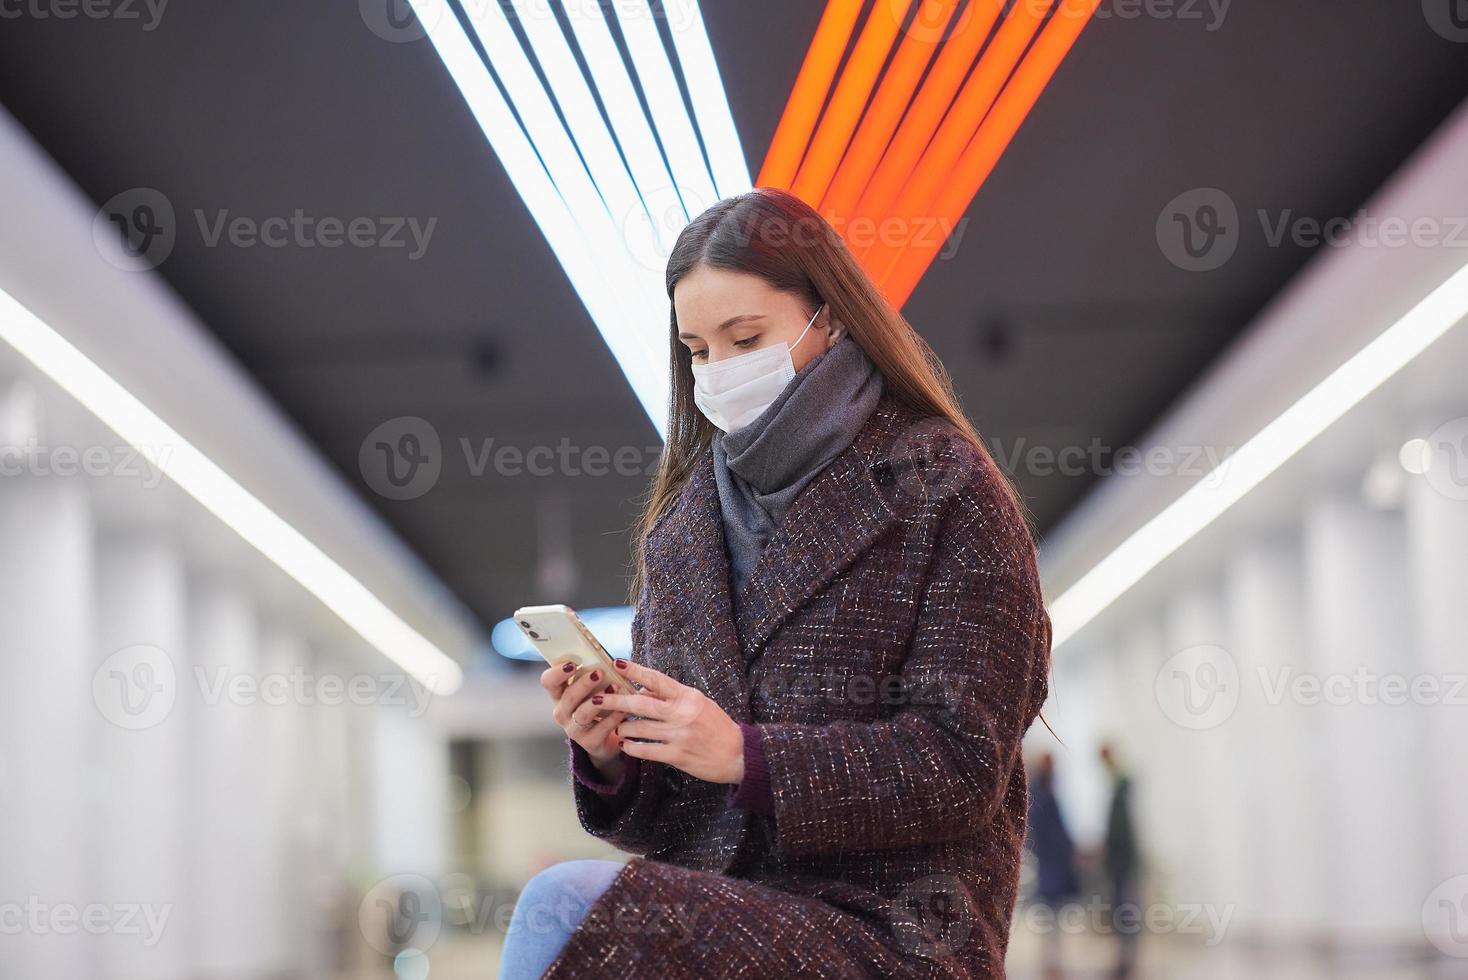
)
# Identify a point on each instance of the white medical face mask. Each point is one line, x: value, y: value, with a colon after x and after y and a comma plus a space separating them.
x: 735, y: 391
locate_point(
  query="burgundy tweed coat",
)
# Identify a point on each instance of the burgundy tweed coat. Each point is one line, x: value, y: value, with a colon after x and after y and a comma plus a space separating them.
x: 893, y: 646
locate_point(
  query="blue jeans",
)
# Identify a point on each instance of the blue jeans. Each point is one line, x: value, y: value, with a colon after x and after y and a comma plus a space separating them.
x: 549, y: 909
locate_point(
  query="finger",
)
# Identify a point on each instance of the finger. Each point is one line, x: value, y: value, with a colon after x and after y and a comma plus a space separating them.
x: 636, y: 704
x: 602, y: 731
x: 588, y: 712
x: 642, y: 728
x: 575, y: 694
x: 554, y: 678
x: 586, y: 683
x: 656, y: 751
x: 659, y: 683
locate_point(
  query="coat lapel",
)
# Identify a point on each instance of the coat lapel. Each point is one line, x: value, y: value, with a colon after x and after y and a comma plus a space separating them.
x: 835, y: 518
x: 688, y: 566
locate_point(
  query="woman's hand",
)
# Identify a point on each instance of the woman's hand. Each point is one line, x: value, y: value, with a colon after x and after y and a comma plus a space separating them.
x: 685, y: 728
x: 585, y: 723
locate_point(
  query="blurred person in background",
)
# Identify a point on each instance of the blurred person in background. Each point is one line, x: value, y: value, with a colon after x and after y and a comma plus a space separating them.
x: 1120, y: 861
x: 825, y: 522
x: 1050, y: 842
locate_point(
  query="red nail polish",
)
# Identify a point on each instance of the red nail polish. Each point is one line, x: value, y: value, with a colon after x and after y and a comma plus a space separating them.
x: 609, y: 690
x: 621, y: 664
x: 596, y: 699
x: 568, y: 667
x: 595, y: 676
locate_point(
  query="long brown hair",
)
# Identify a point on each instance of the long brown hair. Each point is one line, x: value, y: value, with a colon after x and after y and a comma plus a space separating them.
x: 771, y: 233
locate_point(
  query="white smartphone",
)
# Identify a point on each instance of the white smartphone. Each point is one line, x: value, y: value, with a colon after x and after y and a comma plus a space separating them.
x: 559, y: 635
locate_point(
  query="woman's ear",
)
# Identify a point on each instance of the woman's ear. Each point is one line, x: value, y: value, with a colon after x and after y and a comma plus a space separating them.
x: 833, y: 330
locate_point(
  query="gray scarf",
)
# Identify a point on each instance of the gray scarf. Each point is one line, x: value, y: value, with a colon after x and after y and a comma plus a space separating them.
x: 761, y: 467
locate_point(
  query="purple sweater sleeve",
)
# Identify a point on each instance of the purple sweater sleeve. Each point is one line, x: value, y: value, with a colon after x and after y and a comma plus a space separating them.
x: 616, y: 794
x: 754, y: 792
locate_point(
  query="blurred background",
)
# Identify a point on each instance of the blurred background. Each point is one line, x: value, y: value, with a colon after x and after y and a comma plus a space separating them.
x: 331, y: 333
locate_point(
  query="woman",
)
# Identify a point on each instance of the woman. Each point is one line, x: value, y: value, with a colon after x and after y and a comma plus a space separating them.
x: 841, y: 641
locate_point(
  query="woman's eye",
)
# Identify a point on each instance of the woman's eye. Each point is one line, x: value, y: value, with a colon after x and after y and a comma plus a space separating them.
x: 698, y: 353
x: 747, y: 341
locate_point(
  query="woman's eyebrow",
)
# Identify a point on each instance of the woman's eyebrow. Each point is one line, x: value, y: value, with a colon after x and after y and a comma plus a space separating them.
x: 725, y: 325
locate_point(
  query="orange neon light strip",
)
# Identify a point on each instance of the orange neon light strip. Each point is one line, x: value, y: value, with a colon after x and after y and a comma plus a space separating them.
x: 993, y: 137
x: 917, y: 128
x: 891, y: 101
x: 920, y: 185
x: 798, y: 121
x: 858, y: 79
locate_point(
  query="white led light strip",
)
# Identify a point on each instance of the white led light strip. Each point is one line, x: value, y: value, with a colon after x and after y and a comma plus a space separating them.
x: 609, y: 222
x: 636, y: 289
x: 710, y: 100
x: 660, y: 87
x: 217, y: 491
x: 1260, y: 456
